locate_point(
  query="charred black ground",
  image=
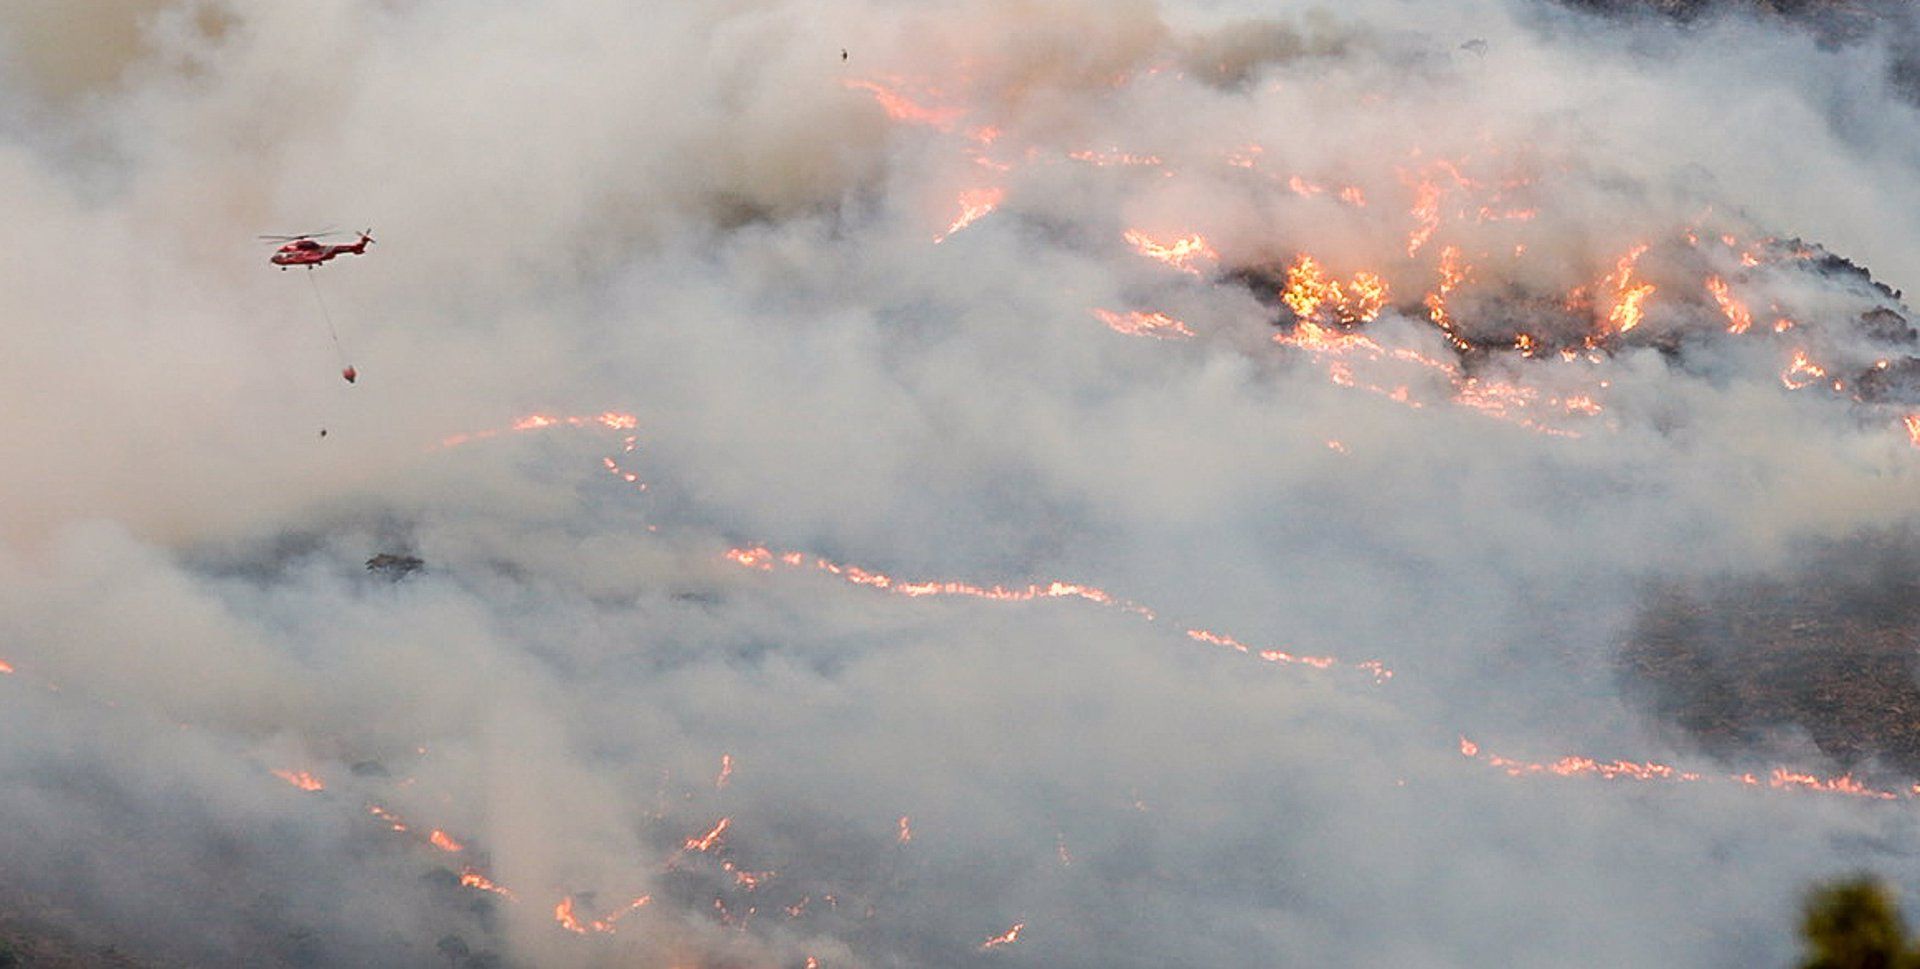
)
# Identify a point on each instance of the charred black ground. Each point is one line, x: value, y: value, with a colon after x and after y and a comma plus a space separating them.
x: 1748, y: 668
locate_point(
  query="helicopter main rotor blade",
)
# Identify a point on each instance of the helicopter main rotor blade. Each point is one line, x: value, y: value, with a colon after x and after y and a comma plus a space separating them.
x: 323, y: 233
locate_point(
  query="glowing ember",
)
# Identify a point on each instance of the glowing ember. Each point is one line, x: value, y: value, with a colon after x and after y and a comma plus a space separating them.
x: 5, y: 667
x: 974, y: 205
x: 1181, y: 253
x: 1008, y: 937
x: 748, y: 880
x: 1739, y: 320
x: 726, y: 772
x: 706, y: 841
x: 1157, y: 325
x: 392, y: 819
x: 443, y: 841
x: 1911, y: 420
x: 906, y: 832
x: 300, y: 779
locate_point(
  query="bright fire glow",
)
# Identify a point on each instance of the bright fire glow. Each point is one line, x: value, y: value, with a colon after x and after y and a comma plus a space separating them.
x: 1453, y: 272
x: 443, y: 841
x: 706, y: 841
x: 903, y: 108
x: 1373, y: 668
x: 1802, y: 372
x: 472, y: 878
x: 1312, y: 294
x: 974, y: 204
x: 1629, y: 296
x: 1739, y: 320
x: 761, y: 558
x: 1136, y: 323
x: 1008, y: 937
x: 1181, y: 253
x: 612, y: 420
x: 1780, y: 778
x: 298, y: 778
x: 393, y: 820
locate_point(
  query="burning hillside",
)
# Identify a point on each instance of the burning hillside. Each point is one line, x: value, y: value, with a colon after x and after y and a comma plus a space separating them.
x: 853, y: 485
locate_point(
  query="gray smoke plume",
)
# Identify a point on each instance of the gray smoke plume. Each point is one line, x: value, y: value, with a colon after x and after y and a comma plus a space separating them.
x: 705, y: 217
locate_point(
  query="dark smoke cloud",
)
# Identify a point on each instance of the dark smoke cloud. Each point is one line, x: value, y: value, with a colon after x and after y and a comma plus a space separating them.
x: 689, y: 214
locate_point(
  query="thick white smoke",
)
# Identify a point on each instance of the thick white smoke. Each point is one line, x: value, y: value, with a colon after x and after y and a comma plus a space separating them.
x: 705, y: 217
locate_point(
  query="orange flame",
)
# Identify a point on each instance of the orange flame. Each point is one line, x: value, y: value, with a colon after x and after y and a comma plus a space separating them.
x: 1379, y: 672
x: 1453, y: 272
x: 1008, y: 937
x: 1426, y: 216
x: 300, y: 779
x: 975, y: 204
x: 472, y: 878
x: 1913, y: 434
x: 1319, y: 339
x: 761, y: 558
x: 5, y: 667
x: 1802, y: 372
x: 392, y: 819
x: 726, y: 772
x: 1136, y: 323
x: 1310, y: 290
x: 613, y: 420
x: 1780, y: 779
x: 1628, y: 295
x: 443, y: 841
x: 899, y: 107
x: 563, y: 914
x: 1181, y: 253
x: 1739, y: 320
x: 906, y: 832
x: 706, y: 841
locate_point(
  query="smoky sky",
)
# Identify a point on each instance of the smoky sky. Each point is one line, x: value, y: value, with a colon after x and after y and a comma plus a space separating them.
x: 703, y: 216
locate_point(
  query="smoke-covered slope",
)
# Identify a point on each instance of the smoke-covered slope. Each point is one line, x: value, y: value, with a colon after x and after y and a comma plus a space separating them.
x: 1056, y: 484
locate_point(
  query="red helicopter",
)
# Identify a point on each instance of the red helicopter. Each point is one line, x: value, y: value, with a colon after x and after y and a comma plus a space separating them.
x: 303, y: 250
